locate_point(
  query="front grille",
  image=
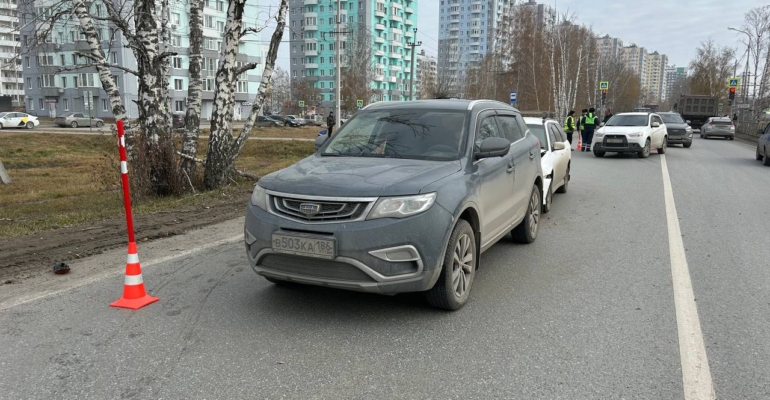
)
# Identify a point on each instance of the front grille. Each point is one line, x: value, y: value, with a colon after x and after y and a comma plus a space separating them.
x: 327, y: 211
x: 623, y: 143
x: 312, y: 267
x: 677, y: 132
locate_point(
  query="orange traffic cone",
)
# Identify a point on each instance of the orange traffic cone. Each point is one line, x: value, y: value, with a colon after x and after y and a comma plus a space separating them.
x: 134, y: 296
x: 580, y: 143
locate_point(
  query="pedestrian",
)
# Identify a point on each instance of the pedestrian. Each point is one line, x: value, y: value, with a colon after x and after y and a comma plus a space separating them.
x: 580, y: 125
x: 607, y: 115
x: 589, y: 125
x: 330, y: 123
x: 569, y: 126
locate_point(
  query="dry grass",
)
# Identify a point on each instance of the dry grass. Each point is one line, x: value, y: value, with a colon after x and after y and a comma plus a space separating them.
x: 63, y: 180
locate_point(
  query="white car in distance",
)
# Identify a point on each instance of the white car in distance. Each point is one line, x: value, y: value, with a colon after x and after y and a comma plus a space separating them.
x: 555, y: 157
x: 637, y: 132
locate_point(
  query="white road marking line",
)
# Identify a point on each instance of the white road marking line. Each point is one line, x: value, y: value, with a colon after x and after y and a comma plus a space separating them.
x: 696, y: 374
x: 108, y: 274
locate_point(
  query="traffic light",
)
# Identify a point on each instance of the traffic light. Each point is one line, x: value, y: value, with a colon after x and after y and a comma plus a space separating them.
x: 732, y: 95
x: 604, y: 96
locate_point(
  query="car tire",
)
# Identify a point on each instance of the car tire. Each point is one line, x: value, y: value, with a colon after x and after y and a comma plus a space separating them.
x: 74, y: 124
x: 548, y: 200
x: 1, y: 126
x: 598, y: 153
x: 99, y: 124
x: 458, y: 270
x: 662, y: 150
x: 645, y: 153
x: 759, y: 155
x: 563, y: 187
x: 766, y: 161
x: 29, y: 125
x: 687, y: 145
x: 526, y: 231
x: 732, y: 138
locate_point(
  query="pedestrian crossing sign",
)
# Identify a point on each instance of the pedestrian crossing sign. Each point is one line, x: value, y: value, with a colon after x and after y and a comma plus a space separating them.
x: 302, y: 103
x: 735, y: 82
x: 604, y: 85
x: 359, y: 103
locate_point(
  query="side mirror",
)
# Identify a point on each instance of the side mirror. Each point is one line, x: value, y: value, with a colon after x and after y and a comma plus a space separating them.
x: 319, y: 141
x: 559, y: 146
x: 493, y: 147
x: 656, y: 124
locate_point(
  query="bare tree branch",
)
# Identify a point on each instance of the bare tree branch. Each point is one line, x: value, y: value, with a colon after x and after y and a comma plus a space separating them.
x: 244, y: 68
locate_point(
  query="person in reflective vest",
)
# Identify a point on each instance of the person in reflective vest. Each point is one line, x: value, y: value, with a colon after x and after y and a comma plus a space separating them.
x: 569, y: 126
x: 590, y: 121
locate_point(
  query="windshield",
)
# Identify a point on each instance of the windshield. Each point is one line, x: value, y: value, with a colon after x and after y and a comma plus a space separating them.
x: 539, y: 131
x: 400, y: 133
x: 672, y: 118
x: 628, y: 120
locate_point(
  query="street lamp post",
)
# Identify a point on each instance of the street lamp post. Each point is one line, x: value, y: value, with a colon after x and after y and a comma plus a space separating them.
x: 338, y: 69
x: 412, y: 69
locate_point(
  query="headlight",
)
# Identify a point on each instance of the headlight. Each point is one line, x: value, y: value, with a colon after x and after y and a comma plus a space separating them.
x: 599, y: 133
x: 400, y: 207
x: 259, y: 197
x: 688, y: 129
x: 636, y: 134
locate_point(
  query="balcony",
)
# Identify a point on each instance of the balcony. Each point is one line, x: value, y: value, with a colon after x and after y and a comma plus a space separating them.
x: 454, y: 28
x: 475, y: 34
x: 379, y: 40
x: 311, y: 66
x: 311, y: 27
x: 379, y: 27
x: 311, y: 2
x: 379, y: 78
x: 396, y: 30
x: 311, y: 14
x: 51, y: 91
x: 395, y: 68
x: 397, y: 5
x: 455, y: 12
x: 379, y: 14
x: 397, y: 18
x: 379, y: 53
x: 408, y: 10
x: 392, y: 79
x: 395, y: 56
x: 408, y: 22
x: 311, y: 52
x: 408, y: 34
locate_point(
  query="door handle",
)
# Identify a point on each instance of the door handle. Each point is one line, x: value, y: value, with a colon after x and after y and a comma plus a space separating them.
x: 510, y: 168
x: 531, y: 155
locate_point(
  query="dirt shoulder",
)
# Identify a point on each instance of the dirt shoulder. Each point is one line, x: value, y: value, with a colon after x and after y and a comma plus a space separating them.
x: 26, y: 257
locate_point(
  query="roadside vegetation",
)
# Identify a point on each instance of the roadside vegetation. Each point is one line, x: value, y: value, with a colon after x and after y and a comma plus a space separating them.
x: 65, y: 180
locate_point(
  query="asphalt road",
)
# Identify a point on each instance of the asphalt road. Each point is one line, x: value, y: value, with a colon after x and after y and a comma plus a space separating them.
x: 587, y: 311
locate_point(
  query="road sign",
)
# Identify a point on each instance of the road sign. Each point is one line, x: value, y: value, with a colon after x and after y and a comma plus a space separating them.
x: 302, y: 103
x: 90, y: 100
x: 359, y: 103
x: 719, y: 108
x: 734, y: 82
x: 741, y: 106
x: 514, y: 96
x: 604, y: 85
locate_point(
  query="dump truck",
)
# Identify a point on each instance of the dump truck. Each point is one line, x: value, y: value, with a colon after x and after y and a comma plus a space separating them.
x: 696, y: 109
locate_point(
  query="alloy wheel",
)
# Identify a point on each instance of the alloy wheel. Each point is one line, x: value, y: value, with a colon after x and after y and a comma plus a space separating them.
x: 534, y: 212
x: 462, y: 265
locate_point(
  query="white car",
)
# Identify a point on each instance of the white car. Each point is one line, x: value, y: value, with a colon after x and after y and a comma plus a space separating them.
x: 555, y: 157
x: 635, y: 132
x: 18, y: 120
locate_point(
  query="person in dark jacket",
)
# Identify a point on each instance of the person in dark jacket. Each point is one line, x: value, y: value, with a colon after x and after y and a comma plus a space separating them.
x: 607, y: 115
x: 590, y: 121
x: 569, y: 126
x: 330, y: 122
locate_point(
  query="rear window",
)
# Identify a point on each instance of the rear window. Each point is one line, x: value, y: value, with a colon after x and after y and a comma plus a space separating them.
x: 721, y: 122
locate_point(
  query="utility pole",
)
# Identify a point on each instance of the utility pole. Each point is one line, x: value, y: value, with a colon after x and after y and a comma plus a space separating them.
x: 747, y: 71
x: 412, y: 66
x: 338, y: 69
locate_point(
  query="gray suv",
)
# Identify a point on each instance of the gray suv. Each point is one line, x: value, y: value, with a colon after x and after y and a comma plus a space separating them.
x: 404, y: 198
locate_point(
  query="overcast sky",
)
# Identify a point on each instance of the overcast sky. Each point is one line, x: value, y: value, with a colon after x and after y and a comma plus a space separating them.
x: 674, y: 28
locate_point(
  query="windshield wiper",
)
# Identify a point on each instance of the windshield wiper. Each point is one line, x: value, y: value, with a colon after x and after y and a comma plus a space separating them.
x: 333, y: 155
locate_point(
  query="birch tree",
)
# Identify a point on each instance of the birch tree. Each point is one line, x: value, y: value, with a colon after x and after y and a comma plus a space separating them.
x: 711, y: 69
x: 223, y: 147
x: 192, y: 118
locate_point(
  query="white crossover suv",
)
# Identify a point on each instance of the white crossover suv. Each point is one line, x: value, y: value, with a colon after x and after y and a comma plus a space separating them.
x: 555, y: 157
x: 636, y: 132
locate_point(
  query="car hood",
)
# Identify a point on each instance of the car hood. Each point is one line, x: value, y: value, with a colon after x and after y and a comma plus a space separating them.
x: 620, y: 130
x: 358, y: 176
x: 677, y: 126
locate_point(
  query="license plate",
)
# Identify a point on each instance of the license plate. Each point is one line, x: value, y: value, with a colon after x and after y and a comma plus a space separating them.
x: 614, y: 140
x: 309, y: 246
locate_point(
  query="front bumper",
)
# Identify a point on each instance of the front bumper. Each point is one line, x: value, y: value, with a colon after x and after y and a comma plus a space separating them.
x: 680, y: 139
x: 627, y: 145
x: 365, y: 251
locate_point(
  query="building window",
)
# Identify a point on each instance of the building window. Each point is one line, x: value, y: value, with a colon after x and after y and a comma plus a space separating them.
x: 175, y: 19
x: 208, y: 84
x: 178, y: 62
x: 178, y: 84
x: 176, y: 40
x: 31, y: 105
x: 66, y: 104
x: 64, y: 82
x: 243, y: 87
x: 29, y: 83
x: 105, y: 105
x: 49, y: 81
x: 208, y: 21
x: 114, y: 57
x: 42, y: 106
x: 179, y: 105
x: 26, y: 61
x: 221, y: 26
x: 87, y: 80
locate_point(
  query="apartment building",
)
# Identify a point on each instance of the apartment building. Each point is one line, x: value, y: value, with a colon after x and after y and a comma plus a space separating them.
x: 427, y: 67
x: 57, y: 80
x: 387, y: 25
x: 610, y: 47
x: 11, y: 83
x: 635, y: 58
x: 655, y: 82
x: 466, y: 33
x: 674, y: 76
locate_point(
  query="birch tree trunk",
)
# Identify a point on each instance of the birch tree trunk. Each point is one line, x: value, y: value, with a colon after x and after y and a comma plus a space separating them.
x: 218, y: 164
x: 192, y: 117
x: 165, y: 66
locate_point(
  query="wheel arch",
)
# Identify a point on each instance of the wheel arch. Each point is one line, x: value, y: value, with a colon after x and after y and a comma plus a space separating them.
x: 471, y: 216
